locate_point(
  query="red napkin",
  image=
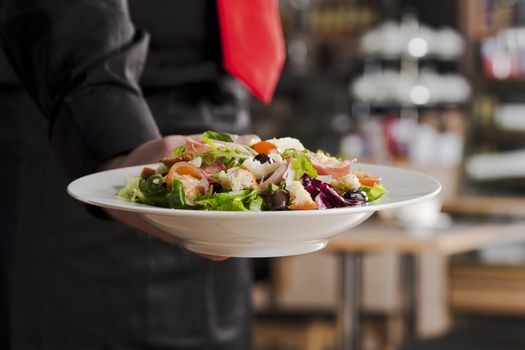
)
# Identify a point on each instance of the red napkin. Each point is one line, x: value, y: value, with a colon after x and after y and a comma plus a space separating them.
x: 252, y: 43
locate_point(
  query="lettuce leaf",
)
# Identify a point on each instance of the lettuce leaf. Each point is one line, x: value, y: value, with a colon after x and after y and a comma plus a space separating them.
x: 273, y: 187
x: 228, y: 157
x: 153, y: 191
x: 219, y: 136
x: 373, y: 193
x: 301, y: 163
x: 178, y: 150
x: 246, y: 200
x: 129, y: 192
x: 176, y: 197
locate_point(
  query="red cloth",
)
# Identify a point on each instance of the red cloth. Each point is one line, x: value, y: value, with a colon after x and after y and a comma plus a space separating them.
x: 252, y: 43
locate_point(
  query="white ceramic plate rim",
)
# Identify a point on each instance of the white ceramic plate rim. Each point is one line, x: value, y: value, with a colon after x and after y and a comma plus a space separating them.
x: 74, y: 190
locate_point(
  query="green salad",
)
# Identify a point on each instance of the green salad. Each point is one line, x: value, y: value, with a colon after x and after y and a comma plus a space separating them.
x: 223, y: 172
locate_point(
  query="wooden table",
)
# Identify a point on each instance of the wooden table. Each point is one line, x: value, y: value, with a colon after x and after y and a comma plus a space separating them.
x: 374, y: 236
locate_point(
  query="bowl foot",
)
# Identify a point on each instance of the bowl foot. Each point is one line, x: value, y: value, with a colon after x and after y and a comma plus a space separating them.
x: 255, y: 250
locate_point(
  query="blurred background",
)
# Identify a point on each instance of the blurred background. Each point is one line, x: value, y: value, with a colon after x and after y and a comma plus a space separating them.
x: 434, y: 86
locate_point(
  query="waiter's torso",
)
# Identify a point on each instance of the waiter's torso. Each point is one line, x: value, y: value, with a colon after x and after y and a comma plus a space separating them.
x: 75, y: 282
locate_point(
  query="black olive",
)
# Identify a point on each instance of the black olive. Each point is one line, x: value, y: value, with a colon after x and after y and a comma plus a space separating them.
x: 357, y: 195
x: 217, y: 188
x: 263, y: 158
x: 354, y: 202
x: 279, y: 200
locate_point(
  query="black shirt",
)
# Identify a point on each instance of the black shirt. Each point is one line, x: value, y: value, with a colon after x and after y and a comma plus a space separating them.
x: 81, y: 61
x: 184, y: 45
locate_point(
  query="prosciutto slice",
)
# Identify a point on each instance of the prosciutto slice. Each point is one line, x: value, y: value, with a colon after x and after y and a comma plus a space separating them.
x: 245, y: 139
x: 212, y: 169
x: 195, y: 144
x: 331, y: 166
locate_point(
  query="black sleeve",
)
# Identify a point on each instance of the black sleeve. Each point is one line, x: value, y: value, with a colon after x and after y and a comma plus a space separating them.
x: 81, y: 61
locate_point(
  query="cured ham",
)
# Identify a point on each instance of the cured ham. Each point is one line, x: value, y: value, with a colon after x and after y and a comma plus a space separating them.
x: 331, y: 166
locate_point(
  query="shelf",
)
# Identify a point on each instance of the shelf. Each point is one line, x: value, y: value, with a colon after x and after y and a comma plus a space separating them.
x: 396, y: 106
x: 433, y: 59
x: 505, y: 86
x: 504, y: 136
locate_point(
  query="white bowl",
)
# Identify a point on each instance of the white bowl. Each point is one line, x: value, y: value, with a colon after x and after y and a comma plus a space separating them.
x: 256, y: 234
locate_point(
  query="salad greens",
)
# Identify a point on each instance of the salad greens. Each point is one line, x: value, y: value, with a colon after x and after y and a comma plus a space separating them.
x: 245, y: 200
x: 179, y: 150
x: 176, y: 195
x: 219, y: 136
x: 375, y: 192
x: 131, y: 192
x: 301, y: 163
x: 276, y: 187
x: 154, y: 191
x: 229, y: 157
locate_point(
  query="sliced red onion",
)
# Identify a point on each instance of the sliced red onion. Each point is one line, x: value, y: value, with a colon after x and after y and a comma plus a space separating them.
x: 332, y: 197
x: 324, y: 195
x: 313, y: 186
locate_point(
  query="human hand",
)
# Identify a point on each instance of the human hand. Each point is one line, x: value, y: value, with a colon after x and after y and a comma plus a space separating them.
x: 149, y: 152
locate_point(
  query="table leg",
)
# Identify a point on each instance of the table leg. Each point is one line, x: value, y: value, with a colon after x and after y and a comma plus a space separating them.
x: 409, y: 294
x: 348, y: 313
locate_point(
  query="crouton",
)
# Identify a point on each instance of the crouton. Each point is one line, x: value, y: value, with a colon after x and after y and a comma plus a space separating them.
x: 300, y: 198
x: 236, y: 179
x: 346, y: 183
x: 192, y: 186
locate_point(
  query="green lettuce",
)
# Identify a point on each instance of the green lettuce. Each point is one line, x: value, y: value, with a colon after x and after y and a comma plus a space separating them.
x: 273, y: 187
x: 179, y: 150
x: 131, y: 190
x: 373, y: 193
x: 245, y: 200
x: 176, y: 197
x: 228, y: 157
x: 301, y: 163
x: 219, y: 136
x: 153, y: 191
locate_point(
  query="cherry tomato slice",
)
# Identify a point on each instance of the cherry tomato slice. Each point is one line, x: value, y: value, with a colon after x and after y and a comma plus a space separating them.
x: 367, y: 179
x: 370, y: 182
x: 264, y: 147
x: 182, y: 168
